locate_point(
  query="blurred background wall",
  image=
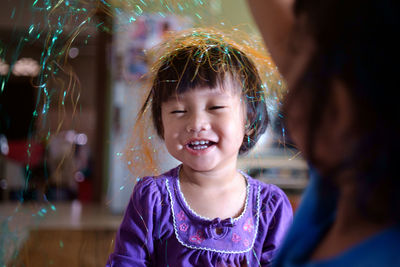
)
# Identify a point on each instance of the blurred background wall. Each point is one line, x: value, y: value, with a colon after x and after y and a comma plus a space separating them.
x: 71, y: 198
x: 101, y: 111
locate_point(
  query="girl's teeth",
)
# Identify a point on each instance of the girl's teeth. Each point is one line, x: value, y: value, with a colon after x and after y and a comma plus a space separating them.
x: 199, y: 147
x: 202, y: 142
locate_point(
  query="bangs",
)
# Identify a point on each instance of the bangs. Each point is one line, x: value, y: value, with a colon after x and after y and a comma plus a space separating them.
x: 192, y: 68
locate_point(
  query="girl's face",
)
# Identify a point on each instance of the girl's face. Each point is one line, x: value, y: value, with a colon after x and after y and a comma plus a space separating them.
x: 204, y: 128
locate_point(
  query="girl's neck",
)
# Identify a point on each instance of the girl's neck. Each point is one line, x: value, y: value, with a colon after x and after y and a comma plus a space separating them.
x: 209, y: 179
x: 214, y: 194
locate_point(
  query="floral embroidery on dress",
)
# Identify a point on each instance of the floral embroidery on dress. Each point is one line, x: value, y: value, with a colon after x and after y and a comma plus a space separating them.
x: 246, y: 242
x: 236, y: 238
x: 183, y: 227
x: 248, y: 226
x: 198, y: 237
x: 181, y: 216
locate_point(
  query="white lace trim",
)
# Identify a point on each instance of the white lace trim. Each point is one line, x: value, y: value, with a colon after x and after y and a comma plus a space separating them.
x: 211, y: 249
x: 209, y: 219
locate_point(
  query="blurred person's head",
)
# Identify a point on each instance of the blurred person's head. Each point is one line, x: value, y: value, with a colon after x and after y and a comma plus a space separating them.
x: 341, y: 108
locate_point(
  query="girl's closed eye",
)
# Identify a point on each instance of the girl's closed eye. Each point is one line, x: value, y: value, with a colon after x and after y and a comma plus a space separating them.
x: 178, y: 111
x: 217, y: 107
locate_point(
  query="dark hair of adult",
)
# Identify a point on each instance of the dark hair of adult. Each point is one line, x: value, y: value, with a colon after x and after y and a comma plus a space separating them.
x: 356, y: 43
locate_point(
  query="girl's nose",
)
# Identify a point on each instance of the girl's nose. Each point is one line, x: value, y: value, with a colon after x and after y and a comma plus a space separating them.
x: 197, y: 123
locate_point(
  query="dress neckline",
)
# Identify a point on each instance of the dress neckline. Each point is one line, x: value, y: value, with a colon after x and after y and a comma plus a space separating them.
x: 197, y: 232
x: 192, y: 212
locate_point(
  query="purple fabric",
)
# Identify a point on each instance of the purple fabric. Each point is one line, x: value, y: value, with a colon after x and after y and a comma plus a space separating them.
x: 159, y: 228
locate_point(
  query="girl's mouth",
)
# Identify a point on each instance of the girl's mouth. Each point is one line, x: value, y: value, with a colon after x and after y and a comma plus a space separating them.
x: 200, y: 144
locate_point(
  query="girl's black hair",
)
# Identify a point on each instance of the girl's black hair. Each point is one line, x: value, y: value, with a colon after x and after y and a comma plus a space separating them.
x: 207, y: 64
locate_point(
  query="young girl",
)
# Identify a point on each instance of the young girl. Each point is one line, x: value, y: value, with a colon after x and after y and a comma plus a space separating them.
x: 340, y: 59
x: 207, y: 104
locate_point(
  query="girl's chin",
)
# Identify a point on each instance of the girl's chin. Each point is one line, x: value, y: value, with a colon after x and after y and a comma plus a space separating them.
x: 198, y: 166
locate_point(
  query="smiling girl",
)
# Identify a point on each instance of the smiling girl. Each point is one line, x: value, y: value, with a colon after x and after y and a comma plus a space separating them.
x: 208, y: 105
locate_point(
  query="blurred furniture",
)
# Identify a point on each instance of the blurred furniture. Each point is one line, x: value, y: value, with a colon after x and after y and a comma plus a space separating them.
x: 280, y: 166
x: 63, y: 234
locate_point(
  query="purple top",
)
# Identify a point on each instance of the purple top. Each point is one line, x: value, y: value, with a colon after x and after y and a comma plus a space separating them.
x: 160, y: 229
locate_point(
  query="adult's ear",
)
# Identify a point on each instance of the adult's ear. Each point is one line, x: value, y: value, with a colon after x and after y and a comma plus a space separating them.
x: 336, y: 136
x: 340, y: 110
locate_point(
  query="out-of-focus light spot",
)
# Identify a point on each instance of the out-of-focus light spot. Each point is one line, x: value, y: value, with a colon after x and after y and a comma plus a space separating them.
x: 79, y: 177
x: 4, y: 67
x: 4, y: 148
x: 26, y: 67
x: 73, y: 52
x: 70, y: 136
x: 3, y: 184
x: 81, y: 139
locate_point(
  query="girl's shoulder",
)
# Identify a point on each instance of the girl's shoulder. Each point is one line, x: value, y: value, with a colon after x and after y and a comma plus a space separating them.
x: 150, y: 185
x: 265, y: 189
x: 268, y: 194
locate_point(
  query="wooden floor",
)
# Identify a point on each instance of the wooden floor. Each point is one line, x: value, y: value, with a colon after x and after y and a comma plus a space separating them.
x: 69, y: 248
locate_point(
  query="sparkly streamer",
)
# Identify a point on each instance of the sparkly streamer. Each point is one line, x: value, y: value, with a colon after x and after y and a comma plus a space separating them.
x: 56, y: 24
